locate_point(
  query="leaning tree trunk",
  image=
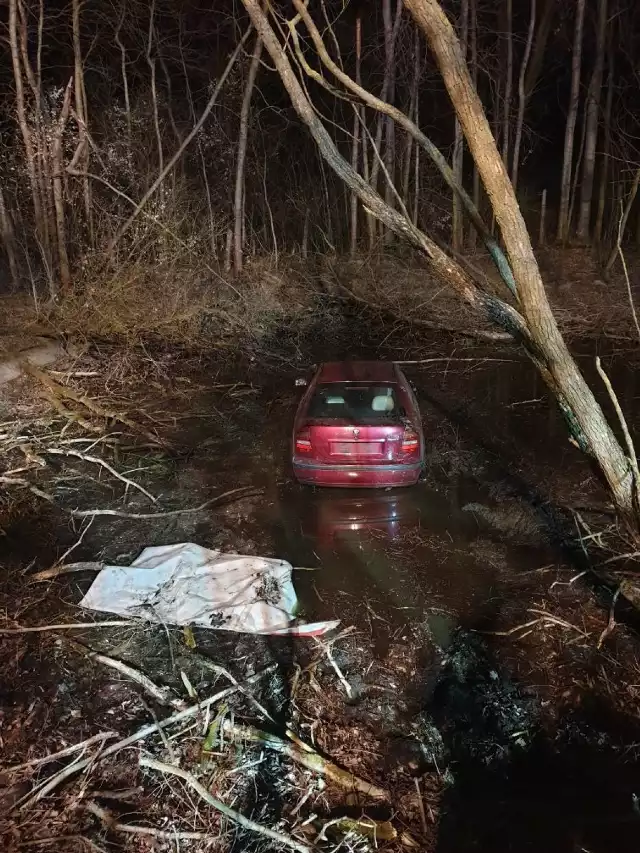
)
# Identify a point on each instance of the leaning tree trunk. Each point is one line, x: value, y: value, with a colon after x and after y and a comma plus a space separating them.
x: 592, y: 121
x: 537, y: 329
x: 570, y: 126
x: 567, y: 382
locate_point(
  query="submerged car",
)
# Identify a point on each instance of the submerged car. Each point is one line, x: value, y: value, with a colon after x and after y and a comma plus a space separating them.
x: 358, y: 425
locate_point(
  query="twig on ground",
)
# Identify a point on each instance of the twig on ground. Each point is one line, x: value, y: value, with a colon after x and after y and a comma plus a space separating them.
x: 58, y: 570
x: 57, y: 392
x: 611, y: 624
x: 234, y: 494
x: 69, y: 626
x: 96, y: 460
x: 163, y: 695
x: 450, y: 358
x: 236, y: 817
x: 307, y: 758
x: 110, y: 823
x: 220, y: 670
x: 63, y: 753
x: 423, y: 816
x: 151, y: 728
x: 78, y: 542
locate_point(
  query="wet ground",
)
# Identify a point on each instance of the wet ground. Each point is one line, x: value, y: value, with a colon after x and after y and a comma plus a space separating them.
x: 518, y: 738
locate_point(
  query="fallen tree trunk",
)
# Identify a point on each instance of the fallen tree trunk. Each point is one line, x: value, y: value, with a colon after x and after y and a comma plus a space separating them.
x: 535, y: 328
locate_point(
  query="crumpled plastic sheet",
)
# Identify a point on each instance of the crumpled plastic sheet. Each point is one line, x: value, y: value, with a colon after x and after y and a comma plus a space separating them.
x: 188, y: 585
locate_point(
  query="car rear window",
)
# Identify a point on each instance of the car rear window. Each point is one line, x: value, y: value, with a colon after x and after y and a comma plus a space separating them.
x: 355, y: 402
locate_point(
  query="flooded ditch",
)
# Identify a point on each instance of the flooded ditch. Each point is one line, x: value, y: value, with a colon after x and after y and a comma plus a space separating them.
x: 465, y: 677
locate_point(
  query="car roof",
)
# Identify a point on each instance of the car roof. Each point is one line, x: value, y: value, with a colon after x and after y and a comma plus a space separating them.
x: 357, y: 371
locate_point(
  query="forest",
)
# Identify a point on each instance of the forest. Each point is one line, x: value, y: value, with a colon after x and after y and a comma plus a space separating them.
x: 199, y: 203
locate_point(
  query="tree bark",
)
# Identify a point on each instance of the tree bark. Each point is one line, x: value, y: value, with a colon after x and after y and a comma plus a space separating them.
x: 82, y: 156
x: 8, y: 241
x: 58, y: 198
x: 508, y: 84
x: 606, y: 150
x: 457, y: 223
x: 522, y: 97
x: 473, y: 28
x: 238, y: 206
x: 570, y: 126
x: 389, y: 39
x: 540, y: 46
x: 391, y: 28
x: 151, y: 62
x: 592, y: 122
x: 25, y: 130
x: 358, y: 118
x: 550, y: 351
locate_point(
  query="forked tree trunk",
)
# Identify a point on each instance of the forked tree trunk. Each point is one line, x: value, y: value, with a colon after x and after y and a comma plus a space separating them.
x: 238, y: 203
x: 570, y: 126
x: 564, y: 377
x: 592, y: 122
x: 457, y: 223
x: 522, y: 96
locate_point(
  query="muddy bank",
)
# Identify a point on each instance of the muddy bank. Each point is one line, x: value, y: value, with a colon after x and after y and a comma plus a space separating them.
x: 465, y: 678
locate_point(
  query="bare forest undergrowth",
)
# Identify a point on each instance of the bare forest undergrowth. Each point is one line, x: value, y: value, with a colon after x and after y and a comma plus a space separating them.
x: 481, y: 691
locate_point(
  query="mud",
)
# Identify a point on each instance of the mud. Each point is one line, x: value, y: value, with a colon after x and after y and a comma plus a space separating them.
x: 519, y: 739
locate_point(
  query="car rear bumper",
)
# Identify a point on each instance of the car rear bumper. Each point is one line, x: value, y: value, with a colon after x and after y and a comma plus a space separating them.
x: 357, y: 476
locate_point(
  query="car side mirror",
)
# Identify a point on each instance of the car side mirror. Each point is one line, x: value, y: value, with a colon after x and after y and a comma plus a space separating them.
x: 301, y: 383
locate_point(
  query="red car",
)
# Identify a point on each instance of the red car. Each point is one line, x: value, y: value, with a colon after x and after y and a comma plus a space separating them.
x: 358, y: 425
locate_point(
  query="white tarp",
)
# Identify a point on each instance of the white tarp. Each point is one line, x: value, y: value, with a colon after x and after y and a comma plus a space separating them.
x: 186, y: 584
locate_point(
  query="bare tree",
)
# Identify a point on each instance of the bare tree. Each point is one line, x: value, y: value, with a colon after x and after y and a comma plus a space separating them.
x: 591, y: 126
x: 473, y: 37
x: 606, y: 149
x: 570, y: 126
x: 624, y: 218
x: 536, y: 327
x: 508, y: 83
x: 358, y: 120
x: 522, y: 96
x: 543, y: 31
x: 550, y: 352
x: 457, y: 224
x: 238, y: 203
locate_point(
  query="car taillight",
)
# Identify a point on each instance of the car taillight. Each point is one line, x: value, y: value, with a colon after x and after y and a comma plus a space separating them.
x: 410, y: 442
x: 303, y: 441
